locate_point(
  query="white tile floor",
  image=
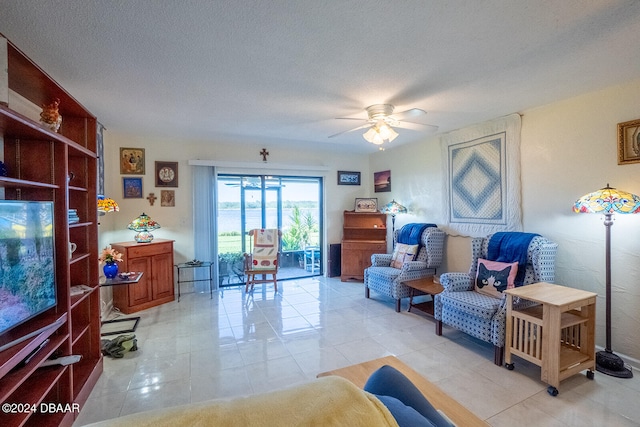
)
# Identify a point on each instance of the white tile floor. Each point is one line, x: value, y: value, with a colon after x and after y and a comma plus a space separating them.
x: 236, y: 345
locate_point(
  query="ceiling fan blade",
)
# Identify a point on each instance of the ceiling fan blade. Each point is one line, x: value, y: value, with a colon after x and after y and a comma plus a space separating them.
x: 416, y: 126
x: 409, y: 114
x: 351, y: 130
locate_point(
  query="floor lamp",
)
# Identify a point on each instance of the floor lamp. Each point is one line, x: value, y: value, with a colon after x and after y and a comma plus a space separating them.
x: 608, y: 201
x: 393, y: 208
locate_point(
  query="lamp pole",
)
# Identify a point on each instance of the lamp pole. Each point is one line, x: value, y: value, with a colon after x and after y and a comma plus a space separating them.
x: 608, y: 222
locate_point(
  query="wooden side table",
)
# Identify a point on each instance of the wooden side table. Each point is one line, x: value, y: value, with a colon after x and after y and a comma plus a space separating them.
x: 430, y: 286
x: 558, y: 335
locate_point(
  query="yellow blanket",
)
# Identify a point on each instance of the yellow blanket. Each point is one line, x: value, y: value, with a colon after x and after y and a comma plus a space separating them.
x: 327, y: 401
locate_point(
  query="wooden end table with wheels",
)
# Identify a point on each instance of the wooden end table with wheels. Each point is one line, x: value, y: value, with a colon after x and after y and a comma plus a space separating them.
x: 430, y: 286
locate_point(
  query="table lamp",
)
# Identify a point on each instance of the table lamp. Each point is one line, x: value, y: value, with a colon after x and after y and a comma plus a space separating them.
x: 143, y: 225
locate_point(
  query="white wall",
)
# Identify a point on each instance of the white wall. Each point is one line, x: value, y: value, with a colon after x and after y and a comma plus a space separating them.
x: 568, y: 149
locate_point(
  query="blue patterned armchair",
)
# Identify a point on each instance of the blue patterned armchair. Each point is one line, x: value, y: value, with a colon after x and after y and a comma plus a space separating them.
x: 480, y: 315
x: 383, y: 278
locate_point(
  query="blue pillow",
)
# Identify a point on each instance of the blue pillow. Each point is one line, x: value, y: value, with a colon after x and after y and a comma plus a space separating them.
x: 403, y: 414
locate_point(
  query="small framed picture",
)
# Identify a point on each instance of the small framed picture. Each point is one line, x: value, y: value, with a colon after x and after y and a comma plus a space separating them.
x: 131, y: 161
x: 629, y: 142
x: 348, y: 178
x: 166, y: 174
x: 382, y: 181
x: 366, y: 205
x: 167, y: 198
x: 131, y: 188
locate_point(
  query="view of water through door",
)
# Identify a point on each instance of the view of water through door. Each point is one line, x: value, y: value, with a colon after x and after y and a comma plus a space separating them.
x: 291, y: 204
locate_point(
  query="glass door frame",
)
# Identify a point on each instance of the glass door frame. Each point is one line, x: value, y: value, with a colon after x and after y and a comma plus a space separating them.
x: 264, y: 191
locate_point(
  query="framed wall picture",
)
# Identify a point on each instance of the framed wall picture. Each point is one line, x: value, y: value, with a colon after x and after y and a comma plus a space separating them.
x: 348, y: 178
x: 131, y: 161
x: 366, y: 205
x: 629, y: 142
x: 166, y: 174
x: 131, y: 188
x: 382, y: 181
x: 167, y: 198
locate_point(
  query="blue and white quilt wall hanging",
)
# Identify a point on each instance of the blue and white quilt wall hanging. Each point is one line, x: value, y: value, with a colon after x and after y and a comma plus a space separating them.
x: 482, y: 184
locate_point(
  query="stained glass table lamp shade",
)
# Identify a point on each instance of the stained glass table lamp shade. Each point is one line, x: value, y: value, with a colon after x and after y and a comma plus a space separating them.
x: 608, y: 201
x: 143, y: 225
x: 393, y: 208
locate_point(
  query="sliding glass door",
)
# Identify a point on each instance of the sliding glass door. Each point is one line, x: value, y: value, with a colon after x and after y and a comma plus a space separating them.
x: 291, y: 204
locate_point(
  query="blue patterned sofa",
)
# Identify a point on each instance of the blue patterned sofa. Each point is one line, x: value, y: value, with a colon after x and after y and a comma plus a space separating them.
x: 383, y: 278
x: 480, y: 315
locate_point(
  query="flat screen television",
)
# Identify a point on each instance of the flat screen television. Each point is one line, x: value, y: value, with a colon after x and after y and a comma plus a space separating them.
x: 27, y: 264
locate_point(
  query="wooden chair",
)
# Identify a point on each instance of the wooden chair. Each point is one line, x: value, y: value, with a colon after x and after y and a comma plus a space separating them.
x: 264, y: 258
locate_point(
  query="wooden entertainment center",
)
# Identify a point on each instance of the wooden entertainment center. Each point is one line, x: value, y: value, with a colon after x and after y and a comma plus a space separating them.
x: 59, y: 167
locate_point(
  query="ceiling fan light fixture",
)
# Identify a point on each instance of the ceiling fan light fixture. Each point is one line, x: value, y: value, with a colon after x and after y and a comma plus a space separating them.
x: 380, y: 133
x: 373, y: 136
x: 387, y: 133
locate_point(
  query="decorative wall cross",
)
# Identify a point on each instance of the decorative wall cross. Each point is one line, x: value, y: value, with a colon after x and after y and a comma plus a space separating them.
x: 151, y: 198
x: 264, y: 153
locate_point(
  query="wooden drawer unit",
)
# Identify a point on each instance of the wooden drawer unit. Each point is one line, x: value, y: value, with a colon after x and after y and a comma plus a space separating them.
x: 155, y: 261
x: 364, y: 234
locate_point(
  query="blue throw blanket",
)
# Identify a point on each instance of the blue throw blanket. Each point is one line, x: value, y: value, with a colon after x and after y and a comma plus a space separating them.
x: 410, y: 233
x: 511, y: 247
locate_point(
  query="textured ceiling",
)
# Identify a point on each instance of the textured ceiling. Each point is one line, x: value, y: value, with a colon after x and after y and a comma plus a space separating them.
x: 282, y: 71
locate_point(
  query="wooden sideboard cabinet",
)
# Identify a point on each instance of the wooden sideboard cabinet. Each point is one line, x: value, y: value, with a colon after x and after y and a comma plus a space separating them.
x: 364, y: 234
x: 155, y: 287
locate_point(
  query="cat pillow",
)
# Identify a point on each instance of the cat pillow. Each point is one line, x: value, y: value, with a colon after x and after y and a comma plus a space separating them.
x: 493, y: 277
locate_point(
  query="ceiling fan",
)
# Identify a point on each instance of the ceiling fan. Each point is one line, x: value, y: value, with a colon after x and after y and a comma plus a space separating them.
x: 381, y: 122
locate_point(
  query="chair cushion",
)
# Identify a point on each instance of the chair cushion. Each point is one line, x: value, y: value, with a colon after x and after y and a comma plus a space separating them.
x: 265, y: 249
x: 472, y: 303
x: 493, y: 277
x: 402, y: 253
x: 384, y: 273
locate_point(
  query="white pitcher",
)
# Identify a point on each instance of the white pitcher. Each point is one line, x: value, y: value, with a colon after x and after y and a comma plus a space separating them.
x: 72, y: 248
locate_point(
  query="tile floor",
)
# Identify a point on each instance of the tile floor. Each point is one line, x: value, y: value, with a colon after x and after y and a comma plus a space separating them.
x: 237, y: 345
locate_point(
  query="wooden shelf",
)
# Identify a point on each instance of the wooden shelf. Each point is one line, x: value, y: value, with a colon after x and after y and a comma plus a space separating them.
x: 16, y: 378
x: 15, y: 125
x: 22, y: 183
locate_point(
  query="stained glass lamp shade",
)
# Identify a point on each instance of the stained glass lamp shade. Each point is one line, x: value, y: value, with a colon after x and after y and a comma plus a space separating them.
x: 393, y: 208
x: 608, y: 201
x: 106, y: 205
x: 143, y: 225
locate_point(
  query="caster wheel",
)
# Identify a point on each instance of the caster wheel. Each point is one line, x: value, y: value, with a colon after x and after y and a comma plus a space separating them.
x: 509, y: 366
x: 590, y: 375
x: 552, y: 390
